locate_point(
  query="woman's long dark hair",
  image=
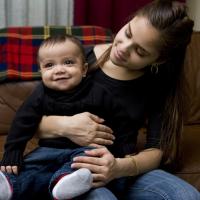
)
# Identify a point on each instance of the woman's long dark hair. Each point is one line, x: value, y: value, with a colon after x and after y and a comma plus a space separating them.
x: 171, y: 20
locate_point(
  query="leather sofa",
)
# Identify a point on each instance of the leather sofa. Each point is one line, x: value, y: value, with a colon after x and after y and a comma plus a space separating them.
x: 12, y: 94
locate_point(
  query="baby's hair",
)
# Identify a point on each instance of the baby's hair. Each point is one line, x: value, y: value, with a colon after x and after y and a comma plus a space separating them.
x: 56, y: 39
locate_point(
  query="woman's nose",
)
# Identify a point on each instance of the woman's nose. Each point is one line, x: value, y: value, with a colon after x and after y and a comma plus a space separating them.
x: 127, y: 44
x: 126, y: 47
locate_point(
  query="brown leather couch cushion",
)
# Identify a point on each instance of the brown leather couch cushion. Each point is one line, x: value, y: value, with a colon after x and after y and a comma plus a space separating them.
x: 11, y: 97
x: 192, y: 66
x: 191, y: 155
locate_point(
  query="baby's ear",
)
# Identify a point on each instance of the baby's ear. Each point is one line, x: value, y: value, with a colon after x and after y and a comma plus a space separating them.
x: 85, y: 68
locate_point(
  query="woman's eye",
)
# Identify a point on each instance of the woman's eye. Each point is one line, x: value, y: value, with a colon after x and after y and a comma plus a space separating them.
x: 69, y: 62
x: 48, y: 65
x: 127, y: 33
x: 140, y: 52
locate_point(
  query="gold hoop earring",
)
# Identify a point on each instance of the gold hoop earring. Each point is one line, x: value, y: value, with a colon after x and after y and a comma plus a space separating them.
x: 154, y: 68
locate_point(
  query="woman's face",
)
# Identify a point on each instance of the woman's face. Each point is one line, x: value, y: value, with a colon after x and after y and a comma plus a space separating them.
x: 136, y: 45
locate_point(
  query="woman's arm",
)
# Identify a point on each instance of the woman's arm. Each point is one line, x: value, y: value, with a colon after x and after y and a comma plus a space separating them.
x: 106, y: 168
x: 83, y: 129
x: 140, y: 163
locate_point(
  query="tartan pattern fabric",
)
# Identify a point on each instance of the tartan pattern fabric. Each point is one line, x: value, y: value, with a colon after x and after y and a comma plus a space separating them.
x: 19, y: 45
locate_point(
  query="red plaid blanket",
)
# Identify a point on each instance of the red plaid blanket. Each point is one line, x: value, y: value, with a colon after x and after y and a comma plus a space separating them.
x: 18, y: 47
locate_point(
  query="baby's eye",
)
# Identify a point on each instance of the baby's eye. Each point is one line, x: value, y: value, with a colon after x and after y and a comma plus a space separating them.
x: 48, y: 65
x: 69, y: 62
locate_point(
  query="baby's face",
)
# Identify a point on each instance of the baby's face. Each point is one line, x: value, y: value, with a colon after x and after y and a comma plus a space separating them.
x: 61, y: 65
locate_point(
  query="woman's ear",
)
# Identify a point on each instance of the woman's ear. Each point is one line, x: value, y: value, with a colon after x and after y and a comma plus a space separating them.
x: 155, y: 66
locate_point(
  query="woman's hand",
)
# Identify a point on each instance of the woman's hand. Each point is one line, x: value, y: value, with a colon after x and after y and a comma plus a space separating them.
x: 84, y: 129
x: 101, y: 163
x: 88, y: 130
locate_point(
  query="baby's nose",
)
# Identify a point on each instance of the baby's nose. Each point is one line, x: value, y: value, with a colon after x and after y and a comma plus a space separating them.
x: 59, y: 69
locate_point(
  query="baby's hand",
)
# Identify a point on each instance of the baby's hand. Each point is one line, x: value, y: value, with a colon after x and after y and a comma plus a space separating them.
x: 10, y: 169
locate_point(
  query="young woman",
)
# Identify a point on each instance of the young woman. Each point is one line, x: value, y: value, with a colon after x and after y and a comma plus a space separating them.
x: 143, y: 67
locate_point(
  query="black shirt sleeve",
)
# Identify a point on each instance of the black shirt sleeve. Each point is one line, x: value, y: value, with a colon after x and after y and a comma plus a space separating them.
x: 23, y: 127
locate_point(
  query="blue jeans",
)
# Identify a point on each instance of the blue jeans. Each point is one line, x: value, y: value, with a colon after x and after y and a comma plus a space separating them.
x: 44, y: 163
x: 41, y: 167
x: 154, y: 185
